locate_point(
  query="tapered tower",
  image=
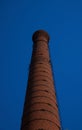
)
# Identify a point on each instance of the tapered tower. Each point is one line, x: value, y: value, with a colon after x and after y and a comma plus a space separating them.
x: 40, y: 107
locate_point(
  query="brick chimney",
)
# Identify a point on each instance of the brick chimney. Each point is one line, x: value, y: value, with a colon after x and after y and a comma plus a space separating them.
x: 40, y: 107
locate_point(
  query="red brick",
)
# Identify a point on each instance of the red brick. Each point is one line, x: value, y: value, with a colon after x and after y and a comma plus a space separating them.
x: 40, y: 107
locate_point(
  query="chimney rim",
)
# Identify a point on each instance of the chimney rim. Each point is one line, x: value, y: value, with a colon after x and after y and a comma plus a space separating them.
x: 40, y: 35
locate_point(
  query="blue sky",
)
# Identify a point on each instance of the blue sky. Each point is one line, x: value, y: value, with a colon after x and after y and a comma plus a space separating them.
x: 62, y: 19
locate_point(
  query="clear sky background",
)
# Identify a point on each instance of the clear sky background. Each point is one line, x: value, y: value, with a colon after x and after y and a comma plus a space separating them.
x: 19, y: 19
